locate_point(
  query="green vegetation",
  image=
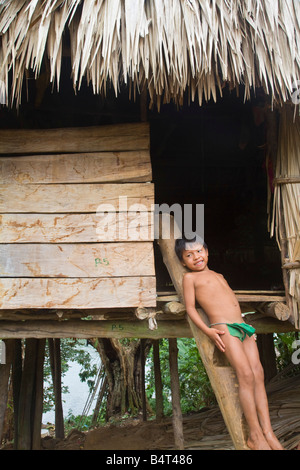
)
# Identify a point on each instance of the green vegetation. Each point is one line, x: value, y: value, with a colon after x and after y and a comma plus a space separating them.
x: 195, y: 388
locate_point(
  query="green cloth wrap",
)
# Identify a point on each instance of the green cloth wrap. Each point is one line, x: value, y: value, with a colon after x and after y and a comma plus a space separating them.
x: 240, y: 330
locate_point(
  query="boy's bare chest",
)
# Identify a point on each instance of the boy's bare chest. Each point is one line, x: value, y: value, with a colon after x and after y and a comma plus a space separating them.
x: 212, y: 287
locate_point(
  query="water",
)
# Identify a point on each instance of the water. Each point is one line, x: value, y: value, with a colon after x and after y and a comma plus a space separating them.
x: 74, y: 401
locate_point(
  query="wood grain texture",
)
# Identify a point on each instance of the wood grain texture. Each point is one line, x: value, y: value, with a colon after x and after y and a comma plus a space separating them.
x: 118, y: 137
x: 39, y: 293
x: 64, y: 194
x: 92, y: 329
x: 76, y: 228
x: 105, y: 167
x: 77, y: 260
x: 62, y: 198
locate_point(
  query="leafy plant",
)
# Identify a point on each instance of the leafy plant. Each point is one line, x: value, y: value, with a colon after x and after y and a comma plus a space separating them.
x: 195, y: 388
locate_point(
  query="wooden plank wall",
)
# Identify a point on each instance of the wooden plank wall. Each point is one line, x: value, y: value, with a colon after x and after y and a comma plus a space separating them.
x: 58, y: 249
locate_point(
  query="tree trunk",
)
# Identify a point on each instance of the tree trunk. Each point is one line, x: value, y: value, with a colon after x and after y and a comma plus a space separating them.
x: 123, y: 370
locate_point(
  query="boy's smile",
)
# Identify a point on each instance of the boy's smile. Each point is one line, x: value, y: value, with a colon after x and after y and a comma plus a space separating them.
x: 195, y: 258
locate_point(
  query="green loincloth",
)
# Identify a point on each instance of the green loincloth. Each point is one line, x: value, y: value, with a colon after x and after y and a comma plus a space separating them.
x: 240, y: 330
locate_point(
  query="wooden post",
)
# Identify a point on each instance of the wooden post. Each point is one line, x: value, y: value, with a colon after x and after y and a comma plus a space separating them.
x: 221, y: 375
x: 26, y: 393
x: 37, y: 403
x: 158, y: 382
x: 175, y: 388
x: 17, y: 378
x: 4, y: 380
x: 55, y: 361
x: 143, y: 391
x: 265, y: 344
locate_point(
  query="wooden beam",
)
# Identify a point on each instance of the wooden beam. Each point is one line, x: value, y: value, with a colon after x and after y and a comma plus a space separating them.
x: 97, y: 167
x: 245, y: 296
x: 266, y: 325
x: 180, y: 327
x: 76, y: 228
x: 133, y: 136
x: 74, y: 198
x: 77, y: 293
x: 77, y: 260
x: 92, y: 328
x: 277, y: 310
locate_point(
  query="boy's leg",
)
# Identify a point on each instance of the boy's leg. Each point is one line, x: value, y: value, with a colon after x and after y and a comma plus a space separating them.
x: 237, y: 356
x: 261, y: 399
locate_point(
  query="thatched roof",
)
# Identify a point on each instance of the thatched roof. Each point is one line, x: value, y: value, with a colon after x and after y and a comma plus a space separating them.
x: 169, y: 45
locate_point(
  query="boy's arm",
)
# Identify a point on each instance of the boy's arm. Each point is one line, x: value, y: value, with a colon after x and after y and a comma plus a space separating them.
x: 190, y: 302
x: 190, y: 305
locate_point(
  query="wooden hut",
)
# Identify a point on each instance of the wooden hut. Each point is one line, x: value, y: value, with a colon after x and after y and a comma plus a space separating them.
x: 54, y: 263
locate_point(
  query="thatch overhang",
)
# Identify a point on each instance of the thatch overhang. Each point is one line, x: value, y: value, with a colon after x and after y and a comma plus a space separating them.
x: 169, y: 46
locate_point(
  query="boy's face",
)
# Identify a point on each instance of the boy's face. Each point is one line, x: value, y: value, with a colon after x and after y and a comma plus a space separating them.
x: 195, y: 257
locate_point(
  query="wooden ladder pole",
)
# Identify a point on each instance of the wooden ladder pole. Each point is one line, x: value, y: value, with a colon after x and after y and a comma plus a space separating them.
x: 221, y: 375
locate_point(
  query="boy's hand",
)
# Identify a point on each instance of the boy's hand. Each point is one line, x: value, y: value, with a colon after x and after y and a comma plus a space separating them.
x: 215, y: 335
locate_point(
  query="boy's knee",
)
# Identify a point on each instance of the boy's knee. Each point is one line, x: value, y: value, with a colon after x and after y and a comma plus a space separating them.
x: 246, y: 376
x: 259, y: 373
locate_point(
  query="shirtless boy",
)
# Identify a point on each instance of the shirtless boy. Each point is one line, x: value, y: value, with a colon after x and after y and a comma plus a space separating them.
x: 231, y: 335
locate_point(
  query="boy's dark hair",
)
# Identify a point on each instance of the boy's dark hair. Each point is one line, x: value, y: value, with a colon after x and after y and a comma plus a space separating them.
x: 182, y: 243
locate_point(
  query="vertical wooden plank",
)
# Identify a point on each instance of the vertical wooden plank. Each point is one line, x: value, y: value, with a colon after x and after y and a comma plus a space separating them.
x: 38, y: 396
x: 26, y: 394
x: 158, y: 382
x: 5, y: 368
x: 55, y: 361
x: 17, y: 379
x: 143, y: 390
x: 175, y: 388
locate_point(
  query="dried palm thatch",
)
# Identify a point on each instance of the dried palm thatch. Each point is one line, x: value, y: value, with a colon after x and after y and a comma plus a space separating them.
x: 167, y: 45
x: 286, y: 203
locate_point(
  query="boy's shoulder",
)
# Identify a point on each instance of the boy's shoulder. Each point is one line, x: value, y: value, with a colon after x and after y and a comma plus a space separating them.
x: 191, y: 276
